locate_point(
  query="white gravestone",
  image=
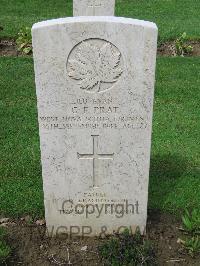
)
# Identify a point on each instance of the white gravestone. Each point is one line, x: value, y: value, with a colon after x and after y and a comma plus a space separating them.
x: 93, y: 7
x: 95, y: 87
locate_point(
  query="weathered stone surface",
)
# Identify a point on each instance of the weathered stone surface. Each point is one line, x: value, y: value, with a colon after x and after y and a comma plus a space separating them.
x: 93, y: 7
x: 95, y: 87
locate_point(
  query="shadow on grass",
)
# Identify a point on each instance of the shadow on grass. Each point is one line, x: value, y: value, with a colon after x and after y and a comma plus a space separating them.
x: 174, y: 184
x: 168, y: 166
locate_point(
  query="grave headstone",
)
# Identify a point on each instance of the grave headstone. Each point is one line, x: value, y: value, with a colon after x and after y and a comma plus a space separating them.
x: 95, y: 87
x: 93, y: 7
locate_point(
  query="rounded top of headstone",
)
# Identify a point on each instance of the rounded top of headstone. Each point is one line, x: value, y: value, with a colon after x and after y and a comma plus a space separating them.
x: 103, y: 19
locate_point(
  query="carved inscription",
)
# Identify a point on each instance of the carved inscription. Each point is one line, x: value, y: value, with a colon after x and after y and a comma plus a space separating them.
x: 92, y: 122
x: 94, y: 65
x: 94, y: 4
x: 96, y: 113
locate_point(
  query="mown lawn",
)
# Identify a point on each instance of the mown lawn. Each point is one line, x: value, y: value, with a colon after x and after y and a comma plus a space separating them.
x: 175, y: 160
x: 20, y: 171
x: 174, y: 176
x: 173, y: 17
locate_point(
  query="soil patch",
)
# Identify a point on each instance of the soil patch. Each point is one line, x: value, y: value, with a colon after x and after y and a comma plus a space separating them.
x: 8, y: 48
x: 31, y: 247
x: 168, y: 48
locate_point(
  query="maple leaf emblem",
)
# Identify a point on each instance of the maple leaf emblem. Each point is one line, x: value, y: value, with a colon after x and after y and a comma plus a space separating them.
x: 93, y: 65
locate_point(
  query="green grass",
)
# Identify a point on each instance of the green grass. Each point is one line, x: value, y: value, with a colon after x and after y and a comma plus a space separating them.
x: 173, y: 17
x: 174, y: 175
x: 20, y: 171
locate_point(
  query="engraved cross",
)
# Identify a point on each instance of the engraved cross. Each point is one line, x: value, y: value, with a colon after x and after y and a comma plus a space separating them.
x: 94, y: 4
x: 95, y: 156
